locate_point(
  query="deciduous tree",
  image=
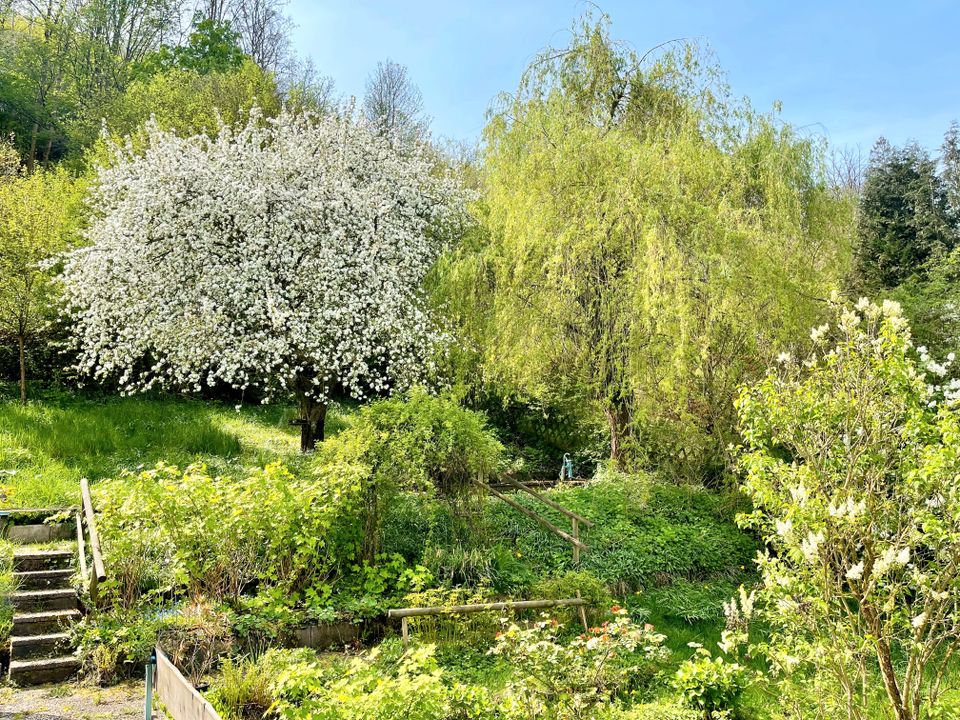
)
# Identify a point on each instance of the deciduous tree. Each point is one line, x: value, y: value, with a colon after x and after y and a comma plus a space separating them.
x: 36, y: 223
x: 283, y: 255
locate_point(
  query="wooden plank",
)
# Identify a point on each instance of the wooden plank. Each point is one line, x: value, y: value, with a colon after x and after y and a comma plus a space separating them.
x: 549, y: 503
x: 98, y: 569
x: 180, y: 699
x: 81, y: 548
x: 540, y: 519
x: 508, y: 605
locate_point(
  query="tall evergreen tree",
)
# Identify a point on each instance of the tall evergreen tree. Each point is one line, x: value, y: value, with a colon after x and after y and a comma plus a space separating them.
x: 904, y: 218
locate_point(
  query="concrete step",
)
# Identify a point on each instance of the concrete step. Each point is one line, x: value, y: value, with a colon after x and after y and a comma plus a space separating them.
x: 43, y: 579
x: 29, y: 559
x: 40, y: 533
x: 32, y: 601
x: 32, y: 647
x: 43, y: 671
x: 44, y: 623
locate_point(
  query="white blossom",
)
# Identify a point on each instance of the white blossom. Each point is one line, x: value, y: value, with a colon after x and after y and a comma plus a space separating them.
x: 287, y: 255
x: 855, y: 572
x: 818, y: 333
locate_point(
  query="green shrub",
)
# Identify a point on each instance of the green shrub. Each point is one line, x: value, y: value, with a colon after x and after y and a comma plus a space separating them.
x: 169, y: 530
x: 711, y: 685
x: 243, y: 690
x: 597, y: 667
x: 422, y: 442
x: 576, y: 584
x: 652, y: 711
x: 382, y: 685
x: 415, y: 442
x: 117, y: 643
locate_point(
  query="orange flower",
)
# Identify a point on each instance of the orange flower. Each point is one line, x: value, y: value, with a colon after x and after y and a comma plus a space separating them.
x: 615, y: 609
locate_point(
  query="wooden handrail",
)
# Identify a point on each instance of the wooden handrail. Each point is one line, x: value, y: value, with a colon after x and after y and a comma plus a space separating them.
x: 548, y: 502
x: 529, y: 513
x: 81, y: 547
x: 99, y: 574
x: 481, y: 607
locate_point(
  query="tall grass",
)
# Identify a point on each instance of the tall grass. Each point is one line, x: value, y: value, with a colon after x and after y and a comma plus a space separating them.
x: 48, y: 445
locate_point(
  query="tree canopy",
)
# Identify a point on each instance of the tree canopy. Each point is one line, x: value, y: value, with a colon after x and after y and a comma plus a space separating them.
x: 649, y: 242
x: 285, y: 256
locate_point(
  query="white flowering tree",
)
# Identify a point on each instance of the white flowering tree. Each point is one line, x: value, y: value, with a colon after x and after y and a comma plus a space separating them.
x: 852, y: 460
x: 285, y: 255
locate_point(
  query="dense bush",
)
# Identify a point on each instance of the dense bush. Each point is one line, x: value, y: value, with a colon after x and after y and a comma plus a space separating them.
x: 417, y: 442
x: 565, y: 679
x: 171, y: 531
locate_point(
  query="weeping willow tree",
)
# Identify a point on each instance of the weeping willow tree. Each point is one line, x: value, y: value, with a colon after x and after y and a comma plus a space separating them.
x: 649, y: 243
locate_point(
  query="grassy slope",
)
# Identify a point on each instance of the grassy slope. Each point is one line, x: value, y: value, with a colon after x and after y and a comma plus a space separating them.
x: 48, y: 445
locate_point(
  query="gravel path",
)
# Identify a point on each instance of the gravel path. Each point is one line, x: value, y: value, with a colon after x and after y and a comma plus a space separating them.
x: 73, y: 702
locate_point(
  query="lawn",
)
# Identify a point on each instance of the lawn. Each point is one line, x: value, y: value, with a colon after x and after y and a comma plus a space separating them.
x: 49, y: 444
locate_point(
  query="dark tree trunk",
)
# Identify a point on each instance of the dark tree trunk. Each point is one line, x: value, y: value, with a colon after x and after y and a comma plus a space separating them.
x: 618, y: 420
x: 21, y: 342
x: 313, y: 415
x: 32, y: 157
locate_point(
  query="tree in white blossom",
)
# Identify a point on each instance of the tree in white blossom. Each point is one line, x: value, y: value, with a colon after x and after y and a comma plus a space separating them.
x: 851, y: 459
x: 286, y: 255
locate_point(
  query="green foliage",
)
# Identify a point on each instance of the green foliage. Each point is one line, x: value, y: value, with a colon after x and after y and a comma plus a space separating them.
x: 423, y: 442
x: 711, y: 685
x: 851, y: 459
x: 169, y: 530
x: 46, y: 447
x: 212, y: 47
x: 7, y: 586
x: 556, y: 679
x: 190, y: 101
x: 634, y: 261
x: 653, y: 711
x: 647, y: 533
x: 576, y: 583
x: 37, y: 222
x: 415, y: 442
x: 380, y: 686
x: 904, y: 216
x: 117, y: 643
x: 243, y: 690
x: 461, y: 628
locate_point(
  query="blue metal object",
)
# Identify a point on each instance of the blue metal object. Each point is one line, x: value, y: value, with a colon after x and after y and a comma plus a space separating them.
x: 566, y: 470
x: 148, y: 700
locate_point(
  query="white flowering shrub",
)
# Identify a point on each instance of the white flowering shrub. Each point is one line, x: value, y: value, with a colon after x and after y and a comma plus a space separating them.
x: 286, y: 255
x: 852, y: 460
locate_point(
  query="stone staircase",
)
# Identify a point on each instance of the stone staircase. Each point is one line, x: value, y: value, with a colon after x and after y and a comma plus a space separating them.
x: 45, y: 605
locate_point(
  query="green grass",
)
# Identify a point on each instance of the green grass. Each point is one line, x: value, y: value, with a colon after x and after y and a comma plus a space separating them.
x: 49, y: 444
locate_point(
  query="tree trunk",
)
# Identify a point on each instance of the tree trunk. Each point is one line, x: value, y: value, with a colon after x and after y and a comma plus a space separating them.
x: 618, y: 420
x: 21, y: 342
x: 32, y: 157
x: 313, y: 415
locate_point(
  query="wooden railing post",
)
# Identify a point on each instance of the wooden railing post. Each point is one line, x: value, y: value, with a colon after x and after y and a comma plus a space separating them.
x: 99, y: 574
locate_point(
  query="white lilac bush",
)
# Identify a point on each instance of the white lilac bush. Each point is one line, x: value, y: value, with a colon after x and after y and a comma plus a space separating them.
x: 285, y: 255
x: 852, y: 460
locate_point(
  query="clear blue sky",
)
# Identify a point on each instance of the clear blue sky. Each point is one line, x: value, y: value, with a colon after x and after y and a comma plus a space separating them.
x: 850, y: 71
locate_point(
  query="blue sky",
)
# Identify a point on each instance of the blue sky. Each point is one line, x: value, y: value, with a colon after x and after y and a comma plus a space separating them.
x: 849, y: 71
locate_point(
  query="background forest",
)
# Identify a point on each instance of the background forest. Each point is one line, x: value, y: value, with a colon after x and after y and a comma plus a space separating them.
x: 221, y: 280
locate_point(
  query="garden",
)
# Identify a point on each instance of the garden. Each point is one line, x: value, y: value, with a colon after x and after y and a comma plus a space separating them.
x: 636, y: 412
